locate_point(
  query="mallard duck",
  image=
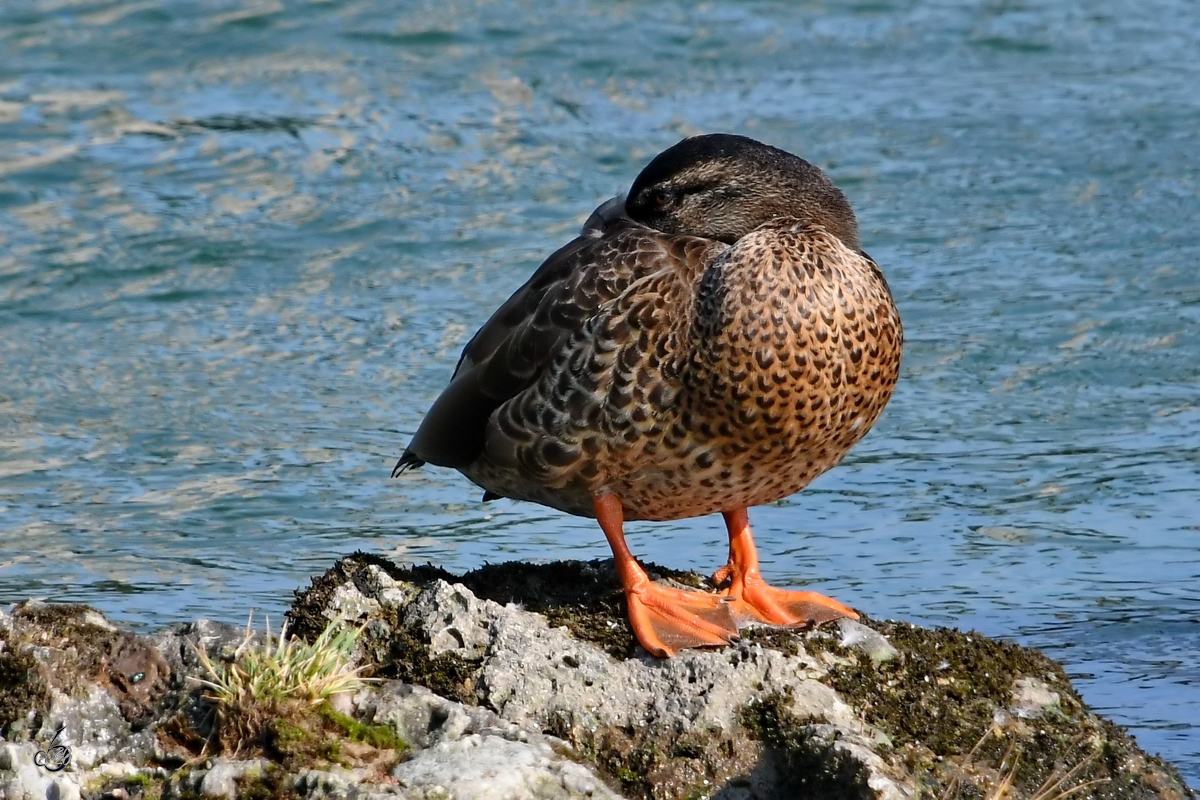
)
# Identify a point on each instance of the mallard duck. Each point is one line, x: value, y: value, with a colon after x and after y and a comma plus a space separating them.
x: 713, y: 341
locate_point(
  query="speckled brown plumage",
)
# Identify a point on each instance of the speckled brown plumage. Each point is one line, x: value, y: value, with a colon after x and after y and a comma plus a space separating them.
x: 684, y: 375
x: 728, y: 377
x: 714, y: 342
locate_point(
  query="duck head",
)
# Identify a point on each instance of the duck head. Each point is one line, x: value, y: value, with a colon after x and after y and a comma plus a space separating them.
x: 721, y: 186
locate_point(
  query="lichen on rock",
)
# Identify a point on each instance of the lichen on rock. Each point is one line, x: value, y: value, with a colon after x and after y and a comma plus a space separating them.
x: 523, y: 681
x: 877, y: 709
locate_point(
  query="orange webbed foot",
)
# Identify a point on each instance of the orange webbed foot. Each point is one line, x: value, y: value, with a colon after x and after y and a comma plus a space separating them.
x: 667, y: 620
x: 664, y: 620
x: 760, y: 602
x: 756, y: 601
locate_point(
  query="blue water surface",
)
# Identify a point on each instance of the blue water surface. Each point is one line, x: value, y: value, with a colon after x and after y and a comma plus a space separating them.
x: 242, y: 243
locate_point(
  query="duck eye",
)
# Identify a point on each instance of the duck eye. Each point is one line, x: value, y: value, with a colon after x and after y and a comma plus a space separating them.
x: 661, y: 198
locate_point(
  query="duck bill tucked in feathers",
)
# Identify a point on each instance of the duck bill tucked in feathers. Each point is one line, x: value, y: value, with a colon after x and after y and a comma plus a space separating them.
x: 714, y: 342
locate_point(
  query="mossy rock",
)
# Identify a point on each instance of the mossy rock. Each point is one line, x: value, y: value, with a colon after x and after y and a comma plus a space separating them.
x: 23, y: 689
x: 944, y: 694
x: 584, y: 596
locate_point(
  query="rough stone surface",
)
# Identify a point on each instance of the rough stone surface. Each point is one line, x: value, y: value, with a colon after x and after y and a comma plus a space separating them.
x: 521, y: 681
x: 879, y: 710
x: 219, y: 781
x: 65, y: 788
x: 20, y: 778
x: 317, y: 784
x: 94, y: 726
x: 472, y: 752
x: 494, y: 768
x: 542, y: 678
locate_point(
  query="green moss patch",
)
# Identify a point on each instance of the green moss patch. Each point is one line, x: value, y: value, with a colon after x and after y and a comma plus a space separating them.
x: 583, y: 596
x: 935, y: 701
x: 381, y: 737
x: 139, y: 786
x: 945, y: 687
x: 270, y: 784
x: 809, y: 765
x: 303, y: 737
x: 943, y: 696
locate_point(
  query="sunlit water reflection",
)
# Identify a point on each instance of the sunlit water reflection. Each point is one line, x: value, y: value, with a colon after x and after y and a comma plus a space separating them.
x: 241, y: 246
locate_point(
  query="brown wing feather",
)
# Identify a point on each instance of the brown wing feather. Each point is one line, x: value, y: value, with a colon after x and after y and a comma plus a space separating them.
x: 568, y: 262
x: 509, y: 352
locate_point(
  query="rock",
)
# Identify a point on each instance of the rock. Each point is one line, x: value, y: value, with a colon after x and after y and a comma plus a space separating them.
x: 466, y: 751
x: 523, y: 681
x: 1033, y: 699
x: 321, y: 784
x: 117, y: 769
x: 94, y: 727
x: 857, y: 710
x: 220, y: 780
x: 64, y: 788
x: 493, y: 768
x: 103, y: 685
x: 542, y: 678
x: 423, y: 719
x: 859, y: 637
x: 20, y: 778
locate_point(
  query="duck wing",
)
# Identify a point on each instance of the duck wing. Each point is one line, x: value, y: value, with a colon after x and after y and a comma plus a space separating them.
x: 510, y: 351
x: 571, y: 282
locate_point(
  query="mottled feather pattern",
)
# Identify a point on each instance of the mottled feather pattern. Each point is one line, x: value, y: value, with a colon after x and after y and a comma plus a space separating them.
x: 718, y: 377
x: 509, y: 352
x: 605, y: 380
x: 712, y: 341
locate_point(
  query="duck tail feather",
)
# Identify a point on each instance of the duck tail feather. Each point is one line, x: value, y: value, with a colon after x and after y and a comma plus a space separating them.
x: 407, y: 461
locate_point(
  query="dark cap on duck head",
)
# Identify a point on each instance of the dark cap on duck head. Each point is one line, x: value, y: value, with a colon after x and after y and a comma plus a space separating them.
x: 722, y: 186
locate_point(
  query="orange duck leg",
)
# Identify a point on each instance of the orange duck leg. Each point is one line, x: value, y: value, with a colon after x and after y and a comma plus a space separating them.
x: 663, y: 619
x: 754, y: 600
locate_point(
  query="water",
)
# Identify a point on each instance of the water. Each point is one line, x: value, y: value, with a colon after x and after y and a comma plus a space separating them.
x: 241, y: 245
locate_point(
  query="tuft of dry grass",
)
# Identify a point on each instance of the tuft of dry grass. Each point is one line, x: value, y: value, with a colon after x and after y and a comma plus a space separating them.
x: 1050, y: 788
x: 260, y: 682
x: 1055, y: 787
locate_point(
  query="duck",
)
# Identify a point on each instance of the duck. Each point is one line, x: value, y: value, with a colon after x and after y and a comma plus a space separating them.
x: 712, y: 341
